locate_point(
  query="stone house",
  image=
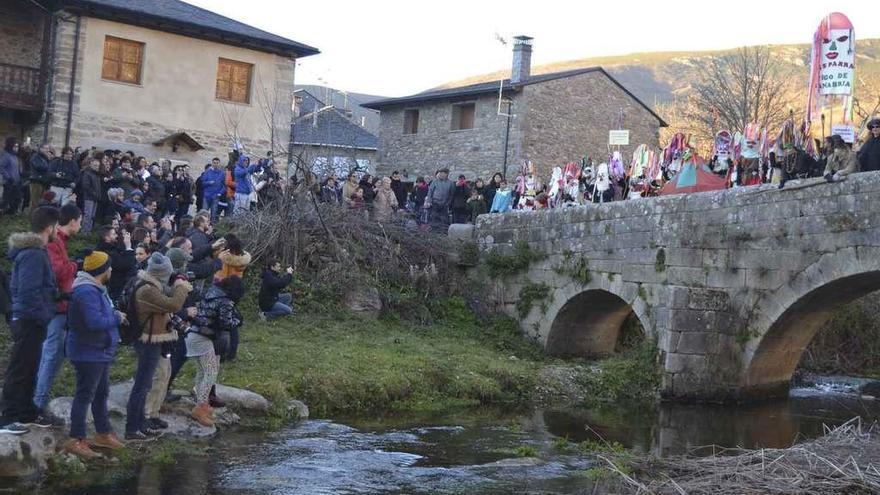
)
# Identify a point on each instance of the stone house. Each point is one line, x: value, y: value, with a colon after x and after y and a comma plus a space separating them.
x: 326, y: 138
x: 163, y: 78
x: 550, y: 119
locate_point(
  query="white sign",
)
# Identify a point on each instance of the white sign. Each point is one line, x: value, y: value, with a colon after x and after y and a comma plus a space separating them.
x: 847, y: 132
x: 618, y: 138
x: 838, y: 63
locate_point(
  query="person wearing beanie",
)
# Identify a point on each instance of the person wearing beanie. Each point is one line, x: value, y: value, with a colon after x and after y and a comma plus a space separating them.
x: 155, y: 302
x: 91, y: 343
x: 162, y: 376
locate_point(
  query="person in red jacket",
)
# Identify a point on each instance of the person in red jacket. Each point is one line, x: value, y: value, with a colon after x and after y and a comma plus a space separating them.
x: 69, y: 223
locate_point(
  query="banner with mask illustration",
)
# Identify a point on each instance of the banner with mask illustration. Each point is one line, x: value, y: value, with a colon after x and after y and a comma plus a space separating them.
x: 832, y: 68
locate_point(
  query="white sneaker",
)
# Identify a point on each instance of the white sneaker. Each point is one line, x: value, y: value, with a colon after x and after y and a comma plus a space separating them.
x: 14, y: 429
x: 262, y: 316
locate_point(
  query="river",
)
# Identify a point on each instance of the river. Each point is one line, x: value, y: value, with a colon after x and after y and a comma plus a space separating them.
x: 479, y: 452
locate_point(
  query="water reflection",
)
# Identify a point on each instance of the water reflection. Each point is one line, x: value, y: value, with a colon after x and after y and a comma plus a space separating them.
x: 471, y: 453
x: 669, y: 429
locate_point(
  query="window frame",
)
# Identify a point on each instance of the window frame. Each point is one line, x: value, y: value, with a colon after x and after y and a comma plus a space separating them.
x: 407, y: 112
x: 140, y: 63
x: 250, y: 81
x: 455, y: 119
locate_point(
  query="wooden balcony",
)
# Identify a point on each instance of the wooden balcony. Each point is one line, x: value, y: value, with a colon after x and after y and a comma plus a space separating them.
x: 21, y: 88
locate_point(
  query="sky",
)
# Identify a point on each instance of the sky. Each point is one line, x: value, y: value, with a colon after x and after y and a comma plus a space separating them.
x: 396, y: 48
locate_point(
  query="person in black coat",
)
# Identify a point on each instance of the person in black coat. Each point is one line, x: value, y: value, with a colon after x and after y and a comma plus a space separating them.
x: 273, y: 303
x: 122, y: 259
x: 92, y: 195
x: 869, y: 153
x: 399, y: 189
x: 460, y: 195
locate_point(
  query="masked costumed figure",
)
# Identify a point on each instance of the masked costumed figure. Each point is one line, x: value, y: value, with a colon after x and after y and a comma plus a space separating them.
x: 672, y: 154
x: 750, y: 156
x: 528, y: 186
x: 554, y: 196
x: 571, y: 184
x: 602, y: 191
x: 723, y: 152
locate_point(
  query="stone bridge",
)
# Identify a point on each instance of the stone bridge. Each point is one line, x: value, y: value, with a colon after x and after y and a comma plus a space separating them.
x: 731, y: 284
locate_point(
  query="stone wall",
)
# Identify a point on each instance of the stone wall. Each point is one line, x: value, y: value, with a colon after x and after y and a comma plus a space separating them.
x: 21, y: 33
x: 555, y: 122
x: 477, y: 152
x: 732, y: 284
x: 570, y: 117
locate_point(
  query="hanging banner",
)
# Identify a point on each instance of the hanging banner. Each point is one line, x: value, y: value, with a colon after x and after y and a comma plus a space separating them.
x: 832, y: 62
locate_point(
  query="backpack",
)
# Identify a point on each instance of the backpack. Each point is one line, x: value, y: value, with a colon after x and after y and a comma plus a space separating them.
x: 130, y: 330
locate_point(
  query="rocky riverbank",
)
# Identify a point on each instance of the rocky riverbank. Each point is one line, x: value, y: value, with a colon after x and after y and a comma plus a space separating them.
x: 30, y: 456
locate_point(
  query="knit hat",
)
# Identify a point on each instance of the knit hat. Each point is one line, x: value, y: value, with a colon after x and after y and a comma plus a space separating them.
x: 159, y: 266
x: 177, y: 258
x: 96, y: 263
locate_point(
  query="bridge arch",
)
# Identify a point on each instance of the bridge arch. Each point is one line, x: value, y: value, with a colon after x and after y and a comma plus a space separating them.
x: 586, y: 321
x: 791, y: 316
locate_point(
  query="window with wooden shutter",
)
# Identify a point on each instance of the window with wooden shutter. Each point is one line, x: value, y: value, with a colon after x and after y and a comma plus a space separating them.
x: 234, y: 81
x: 463, y: 116
x: 123, y: 60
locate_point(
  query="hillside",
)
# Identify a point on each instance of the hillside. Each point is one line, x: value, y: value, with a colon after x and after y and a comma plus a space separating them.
x: 660, y: 77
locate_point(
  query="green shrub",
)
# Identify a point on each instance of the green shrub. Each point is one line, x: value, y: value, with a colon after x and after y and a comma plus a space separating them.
x: 529, y: 295
x: 502, y: 265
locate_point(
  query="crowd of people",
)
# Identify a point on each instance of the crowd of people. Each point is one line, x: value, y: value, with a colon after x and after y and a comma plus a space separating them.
x: 158, y: 279
x: 110, y: 183
x: 745, y: 159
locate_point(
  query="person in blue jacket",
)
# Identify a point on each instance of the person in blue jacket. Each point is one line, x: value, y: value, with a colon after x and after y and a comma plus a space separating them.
x: 214, y: 187
x: 33, y: 292
x: 243, y: 187
x: 91, y: 344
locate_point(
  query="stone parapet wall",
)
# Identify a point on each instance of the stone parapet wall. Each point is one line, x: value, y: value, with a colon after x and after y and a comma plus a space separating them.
x: 711, y: 276
x: 569, y: 118
x: 477, y: 152
x: 21, y: 33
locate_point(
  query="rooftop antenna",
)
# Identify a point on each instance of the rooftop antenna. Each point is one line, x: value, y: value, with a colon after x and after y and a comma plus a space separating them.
x: 501, y: 99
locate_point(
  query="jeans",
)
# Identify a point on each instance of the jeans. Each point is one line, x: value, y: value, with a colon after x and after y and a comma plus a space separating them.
x: 226, y: 345
x: 438, y: 217
x: 11, y: 198
x: 90, y: 209
x: 148, y: 356
x: 51, y: 360
x: 92, y: 388
x: 62, y: 194
x: 21, y: 373
x: 211, y: 204
x: 282, y: 307
x: 242, y: 202
x: 182, y: 210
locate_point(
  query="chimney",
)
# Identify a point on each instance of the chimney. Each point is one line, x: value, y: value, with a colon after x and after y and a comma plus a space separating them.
x: 522, y: 59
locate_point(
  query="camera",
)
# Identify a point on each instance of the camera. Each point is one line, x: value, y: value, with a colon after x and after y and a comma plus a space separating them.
x: 187, y: 276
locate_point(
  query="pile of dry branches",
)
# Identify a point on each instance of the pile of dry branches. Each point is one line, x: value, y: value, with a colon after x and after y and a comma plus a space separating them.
x: 844, y: 460
x: 333, y: 248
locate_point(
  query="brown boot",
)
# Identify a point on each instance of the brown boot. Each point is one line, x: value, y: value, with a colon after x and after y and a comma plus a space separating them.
x: 107, y: 441
x: 203, y: 414
x: 80, y: 448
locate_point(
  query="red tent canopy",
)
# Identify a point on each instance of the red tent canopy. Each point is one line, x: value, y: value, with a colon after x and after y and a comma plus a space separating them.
x: 694, y: 176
